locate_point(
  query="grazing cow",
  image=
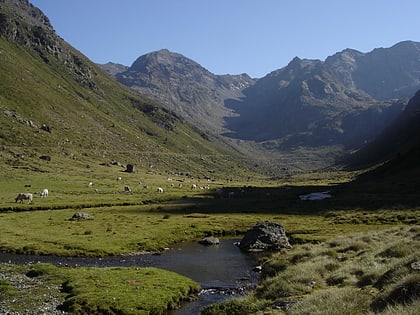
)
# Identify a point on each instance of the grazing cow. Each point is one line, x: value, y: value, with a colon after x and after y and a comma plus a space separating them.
x: 90, y: 184
x: 159, y: 190
x: 127, y: 189
x: 44, y: 193
x: 193, y: 186
x: 24, y: 196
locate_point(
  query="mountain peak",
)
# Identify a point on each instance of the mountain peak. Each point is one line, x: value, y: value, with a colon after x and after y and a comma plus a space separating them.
x: 164, y: 59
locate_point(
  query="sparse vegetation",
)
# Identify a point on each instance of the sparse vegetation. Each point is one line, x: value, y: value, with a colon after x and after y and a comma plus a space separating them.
x: 361, y: 278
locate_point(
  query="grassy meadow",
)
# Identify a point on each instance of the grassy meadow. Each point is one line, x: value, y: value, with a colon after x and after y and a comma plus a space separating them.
x: 144, y: 220
x: 94, y: 290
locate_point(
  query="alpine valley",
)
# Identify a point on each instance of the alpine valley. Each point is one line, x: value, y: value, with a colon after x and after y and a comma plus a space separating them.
x: 114, y: 166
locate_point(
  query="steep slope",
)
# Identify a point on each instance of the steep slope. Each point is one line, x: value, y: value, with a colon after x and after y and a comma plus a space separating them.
x: 344, y: 101
x: 310, y: 103
x: 399, y: 140
x: 55, y: 103
x: 396, y: 154
x: 113, y: 68
x: 183, y: 86
x: 387, y: 73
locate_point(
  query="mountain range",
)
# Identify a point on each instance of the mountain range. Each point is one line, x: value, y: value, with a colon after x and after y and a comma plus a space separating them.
x: 165, y: 102
x: 345, y: 100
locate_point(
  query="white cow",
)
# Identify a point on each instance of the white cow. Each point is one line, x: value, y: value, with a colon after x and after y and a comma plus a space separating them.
x: 44, y: 193
x: 24, y: 196
x: 159, y: 190
x: 193, y: 186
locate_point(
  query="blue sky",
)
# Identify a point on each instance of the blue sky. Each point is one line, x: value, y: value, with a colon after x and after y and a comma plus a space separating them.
x: 231, y: 36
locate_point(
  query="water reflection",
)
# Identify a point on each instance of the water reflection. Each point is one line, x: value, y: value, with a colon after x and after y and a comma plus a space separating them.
x: 223, y: 271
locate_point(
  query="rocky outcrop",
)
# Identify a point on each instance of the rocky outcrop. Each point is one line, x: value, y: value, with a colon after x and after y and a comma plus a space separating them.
x: 82, y: 216
x: 311, y: 103
x: 24, y: 24
x: 209, y: 241
x: 183, y: 86
x: 113, y: 68
x: 265, y: 236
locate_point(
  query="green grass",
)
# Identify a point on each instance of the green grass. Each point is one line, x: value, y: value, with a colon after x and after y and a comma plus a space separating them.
x: 144, y: 220
x: 353, y: 274
x: 83, y: 290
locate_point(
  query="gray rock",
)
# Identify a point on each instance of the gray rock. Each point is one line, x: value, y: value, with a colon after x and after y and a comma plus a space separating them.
x: 209, y: 241
x: 130, y: 168
x: 265, y: 236
x: 82, y: 216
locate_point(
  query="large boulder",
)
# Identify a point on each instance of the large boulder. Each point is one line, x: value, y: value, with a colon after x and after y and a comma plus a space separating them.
x: 130, y: 168
x: 209, y: 241
x: 82, y: 216
x: 265, y: 236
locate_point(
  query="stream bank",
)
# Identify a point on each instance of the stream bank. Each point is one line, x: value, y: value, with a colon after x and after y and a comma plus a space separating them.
x: 223, y: 271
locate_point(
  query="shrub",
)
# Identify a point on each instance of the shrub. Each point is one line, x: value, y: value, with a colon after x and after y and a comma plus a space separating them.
x: 343, y: 301
x: 299, y: 257
x: 367, y: 279
x: 396, y: 251
x: 331, y: 266
x: 277, y: 288
x: 392, y: 275
x: 234, y: 307
x: 404, y: 292
x: 355, y: 247
x: 271, y: 268
x: 4, y: 286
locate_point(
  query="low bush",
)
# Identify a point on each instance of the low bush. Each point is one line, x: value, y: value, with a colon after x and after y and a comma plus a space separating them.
x: 240, y: 306
x: 404, y: 292
x: 396, y: 251
x: 343, y: 301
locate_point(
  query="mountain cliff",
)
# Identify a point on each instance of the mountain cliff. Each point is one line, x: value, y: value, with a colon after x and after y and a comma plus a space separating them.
x: 185, y: 87
x: 345, y: 100
x: 397, y: 141
x: 397, y: 152
x: 310, y: 103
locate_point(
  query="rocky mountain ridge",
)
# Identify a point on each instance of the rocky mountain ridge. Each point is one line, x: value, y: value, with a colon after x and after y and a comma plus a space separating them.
x: 396, y: 140
x: 182, y: 85
x: 345, y: 100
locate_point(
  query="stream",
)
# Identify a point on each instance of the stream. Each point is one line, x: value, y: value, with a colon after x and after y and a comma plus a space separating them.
x: 223, y: 271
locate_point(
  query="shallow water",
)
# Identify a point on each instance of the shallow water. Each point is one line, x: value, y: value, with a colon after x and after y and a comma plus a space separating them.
x: 223, y: 271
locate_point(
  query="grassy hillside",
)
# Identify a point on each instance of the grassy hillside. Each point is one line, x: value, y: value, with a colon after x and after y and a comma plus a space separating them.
x: 89, y: 125
x: 369, y: 273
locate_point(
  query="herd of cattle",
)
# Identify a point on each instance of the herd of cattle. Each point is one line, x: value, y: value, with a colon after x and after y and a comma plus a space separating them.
x: 220, y: 192
x: 28, y: 196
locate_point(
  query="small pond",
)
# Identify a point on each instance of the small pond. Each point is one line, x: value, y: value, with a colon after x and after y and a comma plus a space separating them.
x: 223, y: 271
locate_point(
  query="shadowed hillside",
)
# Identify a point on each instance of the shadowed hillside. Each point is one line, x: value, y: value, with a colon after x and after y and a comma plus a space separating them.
x: 398, y: 148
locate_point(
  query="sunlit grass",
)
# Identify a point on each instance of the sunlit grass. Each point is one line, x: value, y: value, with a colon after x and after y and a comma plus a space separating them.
x: 361, y: 273
x: 88, y: 290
